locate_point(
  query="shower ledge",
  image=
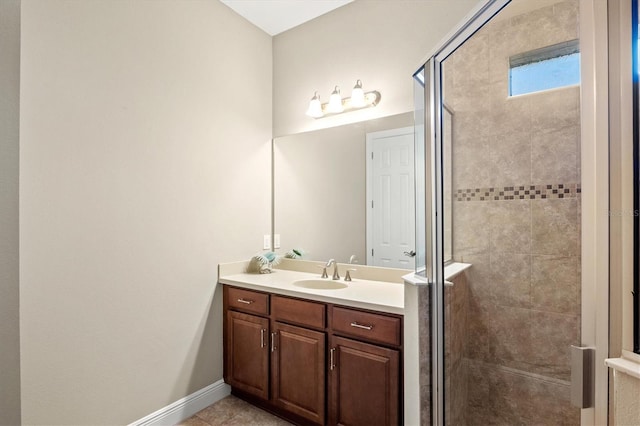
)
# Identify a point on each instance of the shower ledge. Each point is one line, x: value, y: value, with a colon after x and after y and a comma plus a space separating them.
x: 451, y: 270
x: 628, y: 364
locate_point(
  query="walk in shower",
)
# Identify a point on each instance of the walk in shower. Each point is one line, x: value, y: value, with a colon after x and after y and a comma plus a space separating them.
x: 498, y: 122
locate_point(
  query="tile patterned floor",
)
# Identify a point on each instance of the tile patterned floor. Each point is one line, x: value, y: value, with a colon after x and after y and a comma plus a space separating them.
x: 232, y: 411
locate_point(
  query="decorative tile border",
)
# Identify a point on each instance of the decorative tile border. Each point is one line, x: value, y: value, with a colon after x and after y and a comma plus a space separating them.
x: 523, y: 192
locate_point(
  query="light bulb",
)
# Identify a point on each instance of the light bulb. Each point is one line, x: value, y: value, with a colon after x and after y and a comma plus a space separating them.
x: 315, y: 107
x: 357, y: 96
x: 335, y: 101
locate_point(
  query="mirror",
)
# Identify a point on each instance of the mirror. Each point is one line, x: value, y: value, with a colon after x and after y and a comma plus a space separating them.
x: 320, y: 189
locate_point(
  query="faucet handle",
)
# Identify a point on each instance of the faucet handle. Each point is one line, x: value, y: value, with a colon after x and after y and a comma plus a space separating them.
x: 347, y: 276
x: 324, y: 271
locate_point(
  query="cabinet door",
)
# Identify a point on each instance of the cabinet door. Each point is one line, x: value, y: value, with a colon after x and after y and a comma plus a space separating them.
x: 298, y: 371
x: 247, y: 360
x: 363, y: 384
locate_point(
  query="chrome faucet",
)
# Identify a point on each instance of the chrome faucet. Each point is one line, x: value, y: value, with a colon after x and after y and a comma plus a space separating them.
x: 335, y: 276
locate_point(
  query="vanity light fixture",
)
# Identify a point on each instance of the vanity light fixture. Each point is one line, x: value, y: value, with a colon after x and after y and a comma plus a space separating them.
x: 357, y: 95
x: 335, y: 102
x: 337, y: 105
x: 315, y: 107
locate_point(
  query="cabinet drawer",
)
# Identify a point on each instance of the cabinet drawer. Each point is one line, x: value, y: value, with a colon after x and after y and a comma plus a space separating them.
x: 248, y: 300
x: 297, y: 311
x: 366, y: 325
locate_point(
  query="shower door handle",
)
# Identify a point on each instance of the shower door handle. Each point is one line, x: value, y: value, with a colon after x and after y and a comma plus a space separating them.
x: 582, y: 376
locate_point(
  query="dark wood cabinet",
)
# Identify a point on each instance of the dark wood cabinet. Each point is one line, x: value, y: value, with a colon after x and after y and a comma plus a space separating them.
x: 247, y: 356
x: 298, y: 371
x: 363, y: 384
x: 312, y: 362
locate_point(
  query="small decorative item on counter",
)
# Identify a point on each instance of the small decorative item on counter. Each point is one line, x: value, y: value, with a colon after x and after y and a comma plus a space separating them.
x: 294, y: 254
x: 263, y: 262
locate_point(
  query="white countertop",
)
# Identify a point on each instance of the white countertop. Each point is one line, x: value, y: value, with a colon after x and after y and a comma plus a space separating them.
x: 359, y: 293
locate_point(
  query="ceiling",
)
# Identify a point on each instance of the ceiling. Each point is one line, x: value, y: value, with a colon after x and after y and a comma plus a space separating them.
x: 276, y: 16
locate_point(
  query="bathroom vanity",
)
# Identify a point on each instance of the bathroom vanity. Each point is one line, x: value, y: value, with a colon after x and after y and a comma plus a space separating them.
x: 313, y: 355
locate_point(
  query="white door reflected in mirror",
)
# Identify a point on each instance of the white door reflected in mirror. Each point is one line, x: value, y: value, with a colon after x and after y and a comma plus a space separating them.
x: 391, y: 198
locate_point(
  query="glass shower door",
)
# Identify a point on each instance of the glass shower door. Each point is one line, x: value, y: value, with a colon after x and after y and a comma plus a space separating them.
x: 504, y: 178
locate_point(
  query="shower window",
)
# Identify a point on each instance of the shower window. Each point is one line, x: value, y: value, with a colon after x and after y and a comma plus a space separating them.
x: 547, y: 68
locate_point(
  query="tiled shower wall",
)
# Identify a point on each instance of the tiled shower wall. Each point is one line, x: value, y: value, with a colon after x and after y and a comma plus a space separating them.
x: 456, y: 322
x: 516, y: 218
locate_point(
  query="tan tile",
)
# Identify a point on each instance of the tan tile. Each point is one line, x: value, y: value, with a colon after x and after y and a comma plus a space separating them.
x: 467, y: 99
x: 456, y: 391
x: 510, y: 336
x: 555, y: 156
x: 504, y: 397
x: 471, y: 227
x: 456, y: 310
x: 511, y: 158
x: 498, y: 59
x: 579, y: 291
x: 472, y: 124
x: 556, y: 400
x: 566, y: 17
x: 554, y: 227
x: 552, y: 335
x: 485, y: 395
x: 579, y: 221
x: 498, y: 97
x: 460, y: 293
x: 472, y: 67
x: 511, y: 279
x: 507, y: 40
x: 193, y: 421
x: 478, y: 276
x: 510, y: 226
x: 255, y: 418
x: 222, y: 411
x: 447, y: 78
x: 479, y: 332
x: 554, y: 284
x: 425, y: 404
x: 509, y: 115
x: 555, y: 109
x: 544, y: 28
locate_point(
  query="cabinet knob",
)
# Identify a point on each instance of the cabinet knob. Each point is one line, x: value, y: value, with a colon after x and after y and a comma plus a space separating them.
x: 247, y: 302
x: 273, y: 341
x: 262, y: 344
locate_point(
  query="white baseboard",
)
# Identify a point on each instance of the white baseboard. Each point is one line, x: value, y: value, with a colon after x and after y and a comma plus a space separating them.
x: 186, y: 407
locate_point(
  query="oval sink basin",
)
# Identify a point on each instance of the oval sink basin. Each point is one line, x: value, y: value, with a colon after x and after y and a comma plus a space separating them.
x: 320, y: 284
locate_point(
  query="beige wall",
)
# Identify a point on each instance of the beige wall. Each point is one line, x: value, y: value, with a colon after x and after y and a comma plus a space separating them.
x: 381, y: 42
x: 627, y: 408
x: 9, y: 265
x: 142, y: 167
